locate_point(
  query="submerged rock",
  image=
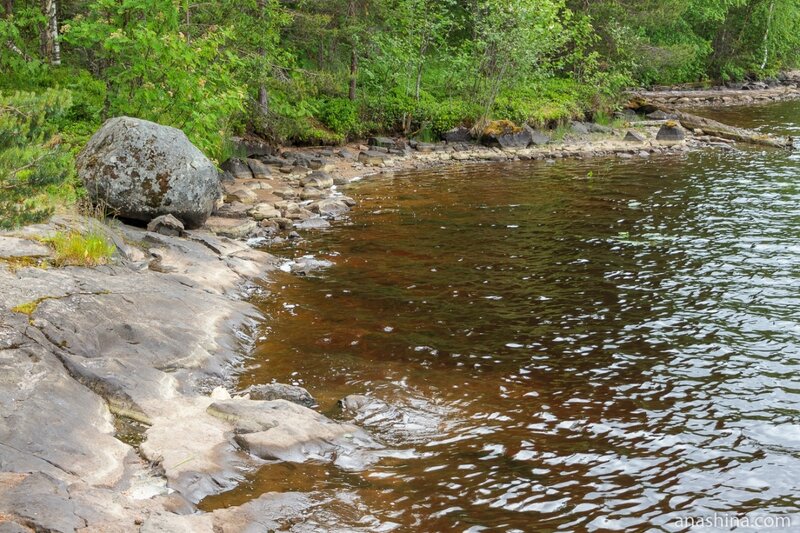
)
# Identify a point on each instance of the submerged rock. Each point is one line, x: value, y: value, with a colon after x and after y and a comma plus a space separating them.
x: 281, y: 391
x: 142, y: 170
x: 285, y: 431
x: 406, y: 419
x: 331, y: 207
x: 313, y: 223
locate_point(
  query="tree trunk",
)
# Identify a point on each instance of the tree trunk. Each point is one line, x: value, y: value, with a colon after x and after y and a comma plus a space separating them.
x: 766, y: 35
x: 353, y: 74
x: 8, y: 7
x: 263, y: 100
x: 51, y: 49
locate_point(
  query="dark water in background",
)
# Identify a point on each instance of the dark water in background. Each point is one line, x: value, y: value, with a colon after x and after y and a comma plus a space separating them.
x: 587, y: 345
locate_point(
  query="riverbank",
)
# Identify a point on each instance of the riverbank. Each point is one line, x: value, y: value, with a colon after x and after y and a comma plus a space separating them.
x: 120, y: 404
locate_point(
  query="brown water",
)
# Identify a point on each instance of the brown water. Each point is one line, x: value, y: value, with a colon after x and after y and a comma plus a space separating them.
x: 585, y: 345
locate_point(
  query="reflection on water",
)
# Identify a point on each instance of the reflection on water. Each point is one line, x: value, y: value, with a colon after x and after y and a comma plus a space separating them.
x: 599, y: 345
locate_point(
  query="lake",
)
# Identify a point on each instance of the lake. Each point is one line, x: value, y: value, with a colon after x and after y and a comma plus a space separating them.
x: 600, y: 344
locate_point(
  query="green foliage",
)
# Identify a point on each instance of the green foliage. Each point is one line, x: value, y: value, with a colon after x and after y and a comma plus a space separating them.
x: 152, y: 71
x: 32, y: 157
x: 325, y: 71
x: 339, y: 114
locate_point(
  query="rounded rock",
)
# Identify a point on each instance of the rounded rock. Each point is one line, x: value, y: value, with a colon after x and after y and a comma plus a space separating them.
x: 143, y: 170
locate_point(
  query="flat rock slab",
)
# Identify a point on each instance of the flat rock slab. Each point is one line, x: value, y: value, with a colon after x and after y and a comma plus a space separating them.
x: 14, y: 248
x: 235, y: 228
x: 286, y: 431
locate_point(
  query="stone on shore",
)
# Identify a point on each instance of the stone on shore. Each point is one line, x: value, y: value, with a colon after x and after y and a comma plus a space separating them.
x: 259, y: 169
x: 285, y: 431
x: 237, y: 168
x: 579, y: 128
x: 593, y: 127
x: 318, y: 180
x: 538, y: 137
x: 166, y: 225
x: 506, y: 134
x: 381, y: 142
x: 670, y: 132
x: 241, y: 194
x: 459, y: 134
x: 142, y: 170
x: 234, y: 228
x: 633, y: 136
x: 264, y: 211
x: 13, y: 248
x: 659, y: 115
x: 373, y: 158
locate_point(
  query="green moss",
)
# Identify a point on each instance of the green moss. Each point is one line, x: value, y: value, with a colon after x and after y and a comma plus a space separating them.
x: 501, y: 127
x: 27, y: 308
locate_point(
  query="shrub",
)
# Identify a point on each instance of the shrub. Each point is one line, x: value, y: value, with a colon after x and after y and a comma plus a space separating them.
x: 32, y: 158
x: 339, y: 114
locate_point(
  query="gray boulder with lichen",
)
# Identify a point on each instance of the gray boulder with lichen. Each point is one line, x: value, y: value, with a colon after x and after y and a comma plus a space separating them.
x: 142, y: 170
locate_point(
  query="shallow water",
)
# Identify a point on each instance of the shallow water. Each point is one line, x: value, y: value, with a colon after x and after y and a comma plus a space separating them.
x: 587, y: 345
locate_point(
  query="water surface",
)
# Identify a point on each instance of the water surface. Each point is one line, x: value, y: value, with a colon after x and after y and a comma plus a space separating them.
x: 587, y: 345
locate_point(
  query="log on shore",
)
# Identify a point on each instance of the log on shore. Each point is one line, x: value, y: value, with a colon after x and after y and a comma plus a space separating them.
x: 712, y: 127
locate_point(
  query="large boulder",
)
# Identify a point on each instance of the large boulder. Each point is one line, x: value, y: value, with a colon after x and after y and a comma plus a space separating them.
x: 670, y: 132
x: 459, y: 134
x: 538, y: 138
x: 143, y: 170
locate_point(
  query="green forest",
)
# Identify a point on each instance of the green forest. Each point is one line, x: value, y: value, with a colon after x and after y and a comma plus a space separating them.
x: 327, y: 71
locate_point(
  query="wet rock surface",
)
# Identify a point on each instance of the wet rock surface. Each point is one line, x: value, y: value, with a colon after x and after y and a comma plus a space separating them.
x: 149, y: 342
x: 280, y: 391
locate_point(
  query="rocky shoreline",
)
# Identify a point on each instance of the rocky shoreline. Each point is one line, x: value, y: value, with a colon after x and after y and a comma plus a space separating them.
x: 116, y: 382
x: 781, y: 89
x: 272, y: 196
x: 118, y: 398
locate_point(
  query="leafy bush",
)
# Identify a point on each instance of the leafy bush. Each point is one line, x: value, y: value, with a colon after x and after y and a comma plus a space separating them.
x: 339, y: 114
x: 546, y: 103
x: 32, y: 157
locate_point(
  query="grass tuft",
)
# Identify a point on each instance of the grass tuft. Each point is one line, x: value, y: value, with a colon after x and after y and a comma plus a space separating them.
x: 76, y: 249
